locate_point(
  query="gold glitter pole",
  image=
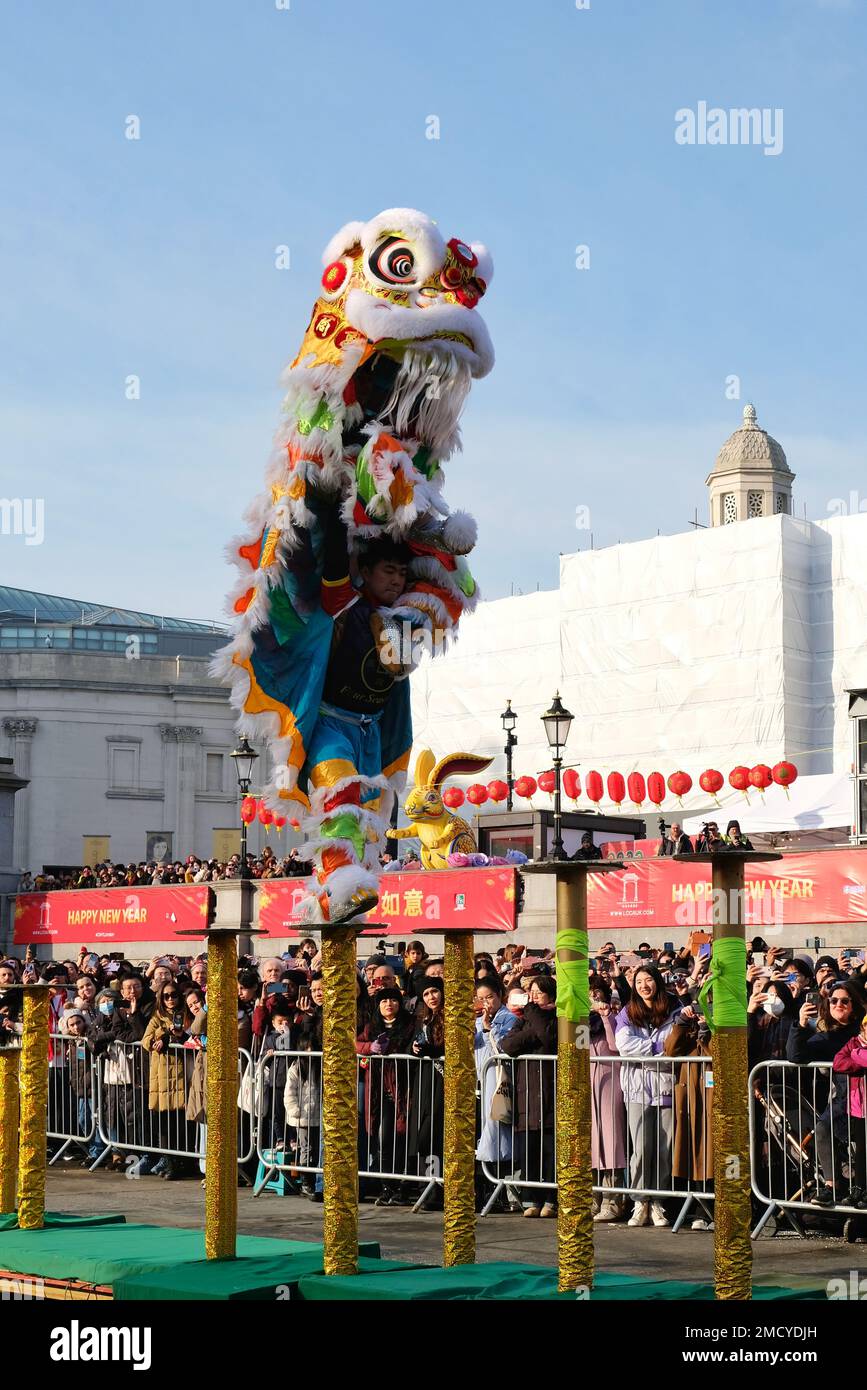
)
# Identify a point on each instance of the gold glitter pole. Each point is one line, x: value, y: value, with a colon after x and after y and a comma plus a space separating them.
x: 339, y: 1102
x: 221, y: 1158
x: 8, y: 1127
x: 732, y: 1249
x: 459, y: 1218
x: 34, y: 1108
x: 574, y: 1167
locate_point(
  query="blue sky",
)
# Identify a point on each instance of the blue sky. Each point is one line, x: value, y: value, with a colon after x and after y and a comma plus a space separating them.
x: 262, y: 127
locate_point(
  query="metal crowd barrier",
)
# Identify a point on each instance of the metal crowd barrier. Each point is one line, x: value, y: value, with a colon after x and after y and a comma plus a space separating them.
x: 803, y: 1139
x: 400, y: 1121
x: 126, y: 1121
x: 651, y: 1129
x: 71, y: 1089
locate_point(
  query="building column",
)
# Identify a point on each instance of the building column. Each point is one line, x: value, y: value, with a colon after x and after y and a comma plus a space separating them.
x: 21, y: 732
x: 181, y: 778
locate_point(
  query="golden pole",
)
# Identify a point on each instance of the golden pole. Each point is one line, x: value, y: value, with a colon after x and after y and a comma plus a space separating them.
x: 339, y: 1102
x: 221, y: 1156
x: 732, y: 1248
x: 8, y: 1127
x: 574, y: 1166
x: 34, y: 1108
x: 459, y: 1217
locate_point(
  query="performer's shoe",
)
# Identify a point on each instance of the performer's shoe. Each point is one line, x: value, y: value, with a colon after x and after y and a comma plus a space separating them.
x: 360, y: 903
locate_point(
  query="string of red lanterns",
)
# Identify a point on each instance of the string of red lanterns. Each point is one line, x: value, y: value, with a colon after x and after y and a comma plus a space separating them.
x: 636, y: 788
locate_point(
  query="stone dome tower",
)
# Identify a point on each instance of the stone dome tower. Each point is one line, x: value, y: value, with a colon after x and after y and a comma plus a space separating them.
x: 750, y: 477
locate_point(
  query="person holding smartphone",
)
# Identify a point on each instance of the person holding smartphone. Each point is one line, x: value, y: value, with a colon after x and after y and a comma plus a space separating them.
x: 167, y: 1030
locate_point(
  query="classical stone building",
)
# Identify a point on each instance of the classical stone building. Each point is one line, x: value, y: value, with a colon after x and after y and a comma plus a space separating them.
x: 124, y: 738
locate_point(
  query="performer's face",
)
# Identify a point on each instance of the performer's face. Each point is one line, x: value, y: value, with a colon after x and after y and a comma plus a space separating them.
x: 385, y: 581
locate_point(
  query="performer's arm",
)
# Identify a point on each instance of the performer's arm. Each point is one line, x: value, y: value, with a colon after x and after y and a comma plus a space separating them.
x: 336, y: 587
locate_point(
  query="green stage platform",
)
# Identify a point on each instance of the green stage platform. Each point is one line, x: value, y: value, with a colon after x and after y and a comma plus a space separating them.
x: 163, y: 1262
x: 514, y: 1281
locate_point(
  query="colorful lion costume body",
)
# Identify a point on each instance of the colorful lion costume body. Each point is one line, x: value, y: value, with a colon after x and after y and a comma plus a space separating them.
x: 371, y: 411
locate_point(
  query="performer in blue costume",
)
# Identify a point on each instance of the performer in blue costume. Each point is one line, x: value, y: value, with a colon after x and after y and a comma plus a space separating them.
x: 354, y: 564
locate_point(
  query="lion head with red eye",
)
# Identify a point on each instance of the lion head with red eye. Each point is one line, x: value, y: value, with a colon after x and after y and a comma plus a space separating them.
x: 394, y: 284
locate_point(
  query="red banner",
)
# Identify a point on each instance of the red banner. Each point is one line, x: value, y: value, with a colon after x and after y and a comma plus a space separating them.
x: 480, y: 900
x: 97, y: 915
x: 818, y: 889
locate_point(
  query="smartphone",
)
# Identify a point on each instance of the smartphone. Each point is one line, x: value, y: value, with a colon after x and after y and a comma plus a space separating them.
x: 519, y: 998
x: 704, y: 951
x: 177, y: 1019
x: 758, y: 957
x: 812, y: 997
x: 275, y: 987
x: 116, y: 955
x: 668, y: 946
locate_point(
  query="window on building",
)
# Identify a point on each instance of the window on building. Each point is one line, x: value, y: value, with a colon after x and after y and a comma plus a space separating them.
x: 782, y: 504
x: 755, y: 504
x: 859, y: 702
x: 213, y: 772
x: 123, y: 765
x: 729, y: 508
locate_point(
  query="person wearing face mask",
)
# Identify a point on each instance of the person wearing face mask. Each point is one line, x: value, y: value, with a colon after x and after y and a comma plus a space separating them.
x: 817, y: 1036
x: 387, y: 1088
x: 771, y: 1012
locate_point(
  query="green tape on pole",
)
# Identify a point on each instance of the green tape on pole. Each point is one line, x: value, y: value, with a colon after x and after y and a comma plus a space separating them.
x: 573, y: 982
x: 728, y: 969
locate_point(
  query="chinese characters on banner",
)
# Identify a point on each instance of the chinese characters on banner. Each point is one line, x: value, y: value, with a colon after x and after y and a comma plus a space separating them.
x: 447, y: 900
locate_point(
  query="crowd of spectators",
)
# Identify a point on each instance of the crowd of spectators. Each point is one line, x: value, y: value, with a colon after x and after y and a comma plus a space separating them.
x: 148, y: 873
x: 650, y: 1110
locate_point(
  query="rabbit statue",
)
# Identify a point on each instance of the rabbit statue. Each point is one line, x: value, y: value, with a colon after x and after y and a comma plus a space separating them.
x: 441, y: 832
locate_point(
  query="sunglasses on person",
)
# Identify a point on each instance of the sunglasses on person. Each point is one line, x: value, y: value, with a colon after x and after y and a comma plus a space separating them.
x: 170, y: 994
x: 840, y: 999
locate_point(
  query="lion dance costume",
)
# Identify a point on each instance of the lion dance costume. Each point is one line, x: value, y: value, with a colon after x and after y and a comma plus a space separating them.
x: 371, y: 412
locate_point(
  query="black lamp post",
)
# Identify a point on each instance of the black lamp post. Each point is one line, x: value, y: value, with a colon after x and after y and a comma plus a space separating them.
x: 508, y: 720
x: 244, y: 757
x: 557, y: 721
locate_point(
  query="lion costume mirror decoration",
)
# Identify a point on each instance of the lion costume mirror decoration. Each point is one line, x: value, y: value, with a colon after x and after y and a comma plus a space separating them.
x: 353, y: 564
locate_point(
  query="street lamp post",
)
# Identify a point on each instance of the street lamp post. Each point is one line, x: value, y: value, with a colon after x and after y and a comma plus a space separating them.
x: 244, y: 757
x: 557, y: 721
x: 509, y: 719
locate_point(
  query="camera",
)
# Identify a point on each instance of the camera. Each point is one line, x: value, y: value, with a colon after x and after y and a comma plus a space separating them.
x: 178, y: 1019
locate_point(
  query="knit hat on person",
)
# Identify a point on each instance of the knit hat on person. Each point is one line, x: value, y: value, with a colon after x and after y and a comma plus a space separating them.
x: 431, y: 982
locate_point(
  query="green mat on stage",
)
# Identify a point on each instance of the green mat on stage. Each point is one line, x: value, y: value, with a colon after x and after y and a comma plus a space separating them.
x: 132, y: 1257
x: 9, y: 1219
x: 267, y: 1277
x: 514, y: 1281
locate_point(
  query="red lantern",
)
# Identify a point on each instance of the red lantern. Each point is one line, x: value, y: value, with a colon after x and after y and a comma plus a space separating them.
x: 571, y: 784
x: 497, y: 790
x: 739, y: 778
x: 656, y: 788
x: 525, y: 787
x: 593, y: 786
x: 295, y: 824
x: 266, y: 817
x: 637, y: 787
x: 547, y: 781
x: 711, y: 781
x: 477, y: 795
x: 784, y: 774
x: 761, y: 776
x: 616, y: 788
x: 679, y: 783
x: 248, y: 809
x: 279, y: 822
x: 453, y: 797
